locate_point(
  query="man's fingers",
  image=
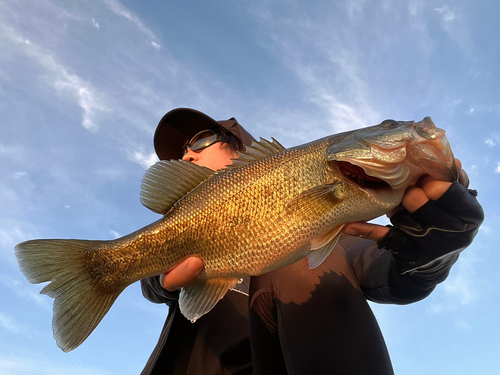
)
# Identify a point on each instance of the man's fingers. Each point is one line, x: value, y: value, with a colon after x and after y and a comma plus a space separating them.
x: 414, y: 198
x: 463, y: 178
x: 182, y: 275
x: 435, y: 189
x: 368, y: 231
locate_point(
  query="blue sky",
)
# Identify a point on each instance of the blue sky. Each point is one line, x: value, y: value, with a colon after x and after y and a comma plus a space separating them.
x: 84, y: 83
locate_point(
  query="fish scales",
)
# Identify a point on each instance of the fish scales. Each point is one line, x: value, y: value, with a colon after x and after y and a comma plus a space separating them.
x: 223, y: 210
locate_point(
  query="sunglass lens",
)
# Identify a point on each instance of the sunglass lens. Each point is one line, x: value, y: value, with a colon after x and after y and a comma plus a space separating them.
x: 204, y: 142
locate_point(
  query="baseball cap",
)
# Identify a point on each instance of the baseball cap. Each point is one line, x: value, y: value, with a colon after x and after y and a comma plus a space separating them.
x: 180, y: 124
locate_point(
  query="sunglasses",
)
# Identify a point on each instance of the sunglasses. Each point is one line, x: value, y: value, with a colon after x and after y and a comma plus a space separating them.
x: 202, y: 140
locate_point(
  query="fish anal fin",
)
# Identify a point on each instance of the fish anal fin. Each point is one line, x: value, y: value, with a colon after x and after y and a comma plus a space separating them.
x: 166, y: 181
x: 322, y: 246
x: 199, y: 297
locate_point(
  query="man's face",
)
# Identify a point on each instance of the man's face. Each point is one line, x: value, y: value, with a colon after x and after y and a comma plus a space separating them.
x: 216, y: 156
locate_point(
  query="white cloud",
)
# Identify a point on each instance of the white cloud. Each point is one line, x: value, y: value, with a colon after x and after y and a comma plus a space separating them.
x: 61, y: 79
x: 490, y: 142
x: 19, y: 175
x: 415, y: 8
x: 155, y: 45
x: 14, y: 365
x: 335, y: 82
x: 455, y: 24
x: 354, y: 8
x: 96, y: 24
x: 86, y: 97
x: 114, y: 234
x: 143, y: 159
x: 10, y: 235
x: 14, y: 152
x: 117, y: 8
x: 447, y: 14
x: 493, y: 140
x: 461, y: 288
x: 27, y: 292
x: 9, y: 323
x: 497, y: 169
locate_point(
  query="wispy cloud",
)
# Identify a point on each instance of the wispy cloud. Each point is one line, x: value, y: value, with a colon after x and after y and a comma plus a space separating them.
x: 64, y: 82
x: 461, y: 288
x: 143, y: 159
x: 454, y: 23
x: 26, y: 292
x: 493, y: 140
x: 447, y: 13
x: 27, y: 366
x: 15, y: 153
x: 299, y: 40
x: 120, y: 10
x: 86, y: 97
x: 95, y: 23
x: 114, y: 234
x: 9, y: 323
x: 12, y: 232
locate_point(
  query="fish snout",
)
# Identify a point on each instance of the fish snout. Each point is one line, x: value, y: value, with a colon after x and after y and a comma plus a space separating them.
x: 428, y: 130
x: 434, y: 151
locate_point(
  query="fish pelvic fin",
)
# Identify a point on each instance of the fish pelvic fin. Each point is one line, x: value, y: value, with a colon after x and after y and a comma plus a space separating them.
x: 322, y: 246
x: 166, y: 181
x: 79, y: 305
x: 199, y: 297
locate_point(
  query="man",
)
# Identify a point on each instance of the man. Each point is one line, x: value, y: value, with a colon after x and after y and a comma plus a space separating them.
x: 218, y: 342
x: 305, y: 321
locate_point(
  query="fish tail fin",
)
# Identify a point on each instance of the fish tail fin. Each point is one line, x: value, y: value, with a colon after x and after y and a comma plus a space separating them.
x: 79, y: 303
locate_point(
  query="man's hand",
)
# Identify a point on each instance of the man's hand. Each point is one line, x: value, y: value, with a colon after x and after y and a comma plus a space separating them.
x: 415, y: 197
x: 182, y: 275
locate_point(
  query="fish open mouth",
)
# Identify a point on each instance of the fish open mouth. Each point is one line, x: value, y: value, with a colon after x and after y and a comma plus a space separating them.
x: 359, y: 177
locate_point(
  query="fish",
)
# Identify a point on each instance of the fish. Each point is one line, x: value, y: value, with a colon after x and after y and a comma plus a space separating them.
x: 272, y: 207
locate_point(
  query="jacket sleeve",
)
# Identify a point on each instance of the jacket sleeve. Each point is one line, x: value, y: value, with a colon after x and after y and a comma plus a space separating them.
x: 418, y: 251
x: 154, y: 292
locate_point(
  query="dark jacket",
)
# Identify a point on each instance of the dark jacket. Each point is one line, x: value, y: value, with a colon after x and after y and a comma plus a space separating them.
x: 402, y: 268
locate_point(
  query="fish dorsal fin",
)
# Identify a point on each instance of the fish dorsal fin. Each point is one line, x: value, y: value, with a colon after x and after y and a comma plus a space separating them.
x: 256, y: 151
x: 322, y: 246
x: 202, y: 295
x: 166, y: 181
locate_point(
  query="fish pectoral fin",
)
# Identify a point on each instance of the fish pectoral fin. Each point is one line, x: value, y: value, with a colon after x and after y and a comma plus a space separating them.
x: 322, y: 246
x: 166, y: 181
x: 316, y: 202
x: 199, y: 297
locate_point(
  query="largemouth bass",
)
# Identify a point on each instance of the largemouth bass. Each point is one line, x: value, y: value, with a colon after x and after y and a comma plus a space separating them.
x: 272, y: 207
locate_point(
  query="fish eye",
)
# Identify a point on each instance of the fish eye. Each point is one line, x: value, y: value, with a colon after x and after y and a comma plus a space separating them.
x: 389, y: 124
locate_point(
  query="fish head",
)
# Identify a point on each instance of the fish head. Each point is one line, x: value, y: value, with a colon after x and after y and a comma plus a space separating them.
x: 393, y: 154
